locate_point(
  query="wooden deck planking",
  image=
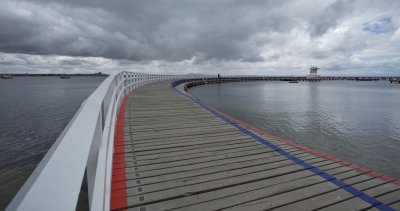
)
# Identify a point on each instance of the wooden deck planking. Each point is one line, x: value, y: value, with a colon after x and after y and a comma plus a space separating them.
x: 263, y: 183
x: 395, y: 205
x: 205, y: 170
x: 290, y: 189
x: 187, y: 168
x: 180, y: 156
x: 360, y: 181
x: 378, y: 192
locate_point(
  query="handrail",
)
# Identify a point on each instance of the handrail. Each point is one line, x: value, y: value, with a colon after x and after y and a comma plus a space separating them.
x: 85, y: 145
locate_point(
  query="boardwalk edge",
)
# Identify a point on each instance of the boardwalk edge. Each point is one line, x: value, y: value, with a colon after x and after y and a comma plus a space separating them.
x: 249, y: 130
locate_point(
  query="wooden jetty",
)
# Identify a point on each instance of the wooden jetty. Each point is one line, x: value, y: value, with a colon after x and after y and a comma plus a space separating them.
x: 174, y: 153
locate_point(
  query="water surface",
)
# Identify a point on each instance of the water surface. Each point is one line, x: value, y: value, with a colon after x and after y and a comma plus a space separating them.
x: 33, y: 113
x: 355, y: 121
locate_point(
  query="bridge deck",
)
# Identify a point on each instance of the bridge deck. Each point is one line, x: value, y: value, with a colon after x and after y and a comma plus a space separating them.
x: 178, y: 155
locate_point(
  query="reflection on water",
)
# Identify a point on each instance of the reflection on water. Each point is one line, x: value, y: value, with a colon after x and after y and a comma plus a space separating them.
x: 33, y: 112
x: 355, y: 121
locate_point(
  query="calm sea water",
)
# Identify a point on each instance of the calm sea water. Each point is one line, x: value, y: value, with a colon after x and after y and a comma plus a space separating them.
x: 356, y: 121
x: 33, y: 113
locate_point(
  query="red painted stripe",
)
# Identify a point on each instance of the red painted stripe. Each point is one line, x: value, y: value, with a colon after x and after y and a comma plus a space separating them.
x: 119, y: 149
x: 375, y: 174
x: 315, y: 152
x: 119, y: 177
x: 120, y: 164
x: 365, y: 170
x: 119, y: 155
x: 386, y: 178
x: 118, y: 183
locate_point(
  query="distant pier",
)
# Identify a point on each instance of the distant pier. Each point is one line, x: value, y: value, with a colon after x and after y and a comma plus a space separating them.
x: 288, y: 78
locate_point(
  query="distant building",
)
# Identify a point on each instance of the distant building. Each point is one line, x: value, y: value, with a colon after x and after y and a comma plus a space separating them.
x: 314, y: 72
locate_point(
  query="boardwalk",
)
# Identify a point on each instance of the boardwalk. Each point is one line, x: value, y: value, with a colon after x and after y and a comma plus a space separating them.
x: 174, y: 154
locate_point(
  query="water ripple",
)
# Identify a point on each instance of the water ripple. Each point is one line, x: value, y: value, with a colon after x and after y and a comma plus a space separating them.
x: 355, y: 121
x: 34, y: 111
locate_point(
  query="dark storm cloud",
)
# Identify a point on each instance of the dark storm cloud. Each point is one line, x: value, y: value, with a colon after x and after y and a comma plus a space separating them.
x: 185, y: 36
x: 152, y: 30
x: 329, y: 17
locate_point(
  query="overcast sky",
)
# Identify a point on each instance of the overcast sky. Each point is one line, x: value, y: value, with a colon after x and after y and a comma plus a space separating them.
x: 201, y: 36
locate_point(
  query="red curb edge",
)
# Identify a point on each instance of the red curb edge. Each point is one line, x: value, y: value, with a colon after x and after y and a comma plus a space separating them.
x: 118, y: 182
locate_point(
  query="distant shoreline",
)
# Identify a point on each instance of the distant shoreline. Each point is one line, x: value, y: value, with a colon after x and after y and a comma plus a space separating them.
x: 53, y: 74
x: 366, y: 78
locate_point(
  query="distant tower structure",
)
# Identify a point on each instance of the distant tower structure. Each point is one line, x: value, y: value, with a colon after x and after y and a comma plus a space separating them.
x: 314, y: 71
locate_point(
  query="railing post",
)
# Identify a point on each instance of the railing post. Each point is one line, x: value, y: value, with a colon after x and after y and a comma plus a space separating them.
x: 91, y: 166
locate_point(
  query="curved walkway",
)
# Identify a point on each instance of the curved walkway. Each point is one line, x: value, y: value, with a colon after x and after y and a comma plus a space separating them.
x: 172, y: 152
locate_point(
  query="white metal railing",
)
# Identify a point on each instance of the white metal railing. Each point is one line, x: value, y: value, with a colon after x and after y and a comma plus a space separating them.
x: 85, y: 145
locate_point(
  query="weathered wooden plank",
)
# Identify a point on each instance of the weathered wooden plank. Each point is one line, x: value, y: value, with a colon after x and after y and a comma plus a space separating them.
x: 183, y: 134
x: 293, y: 195
x: 192, y: 157
x: 271, y: 191
x: 211, y: 185
x: 356, y: 204
x: 146, y: 172
x: 360, y: 182
x: 150, y: 179
x: 203, y: 175
x: 226, y: 137
x: 395, y: 205
x: 222, y: 140
x: 389, y: 198
x: 146, y: 128
x: 197, y: 146
x: 167, y: 152
x: 214, y: 135
x: 254, y: 153
x: 204, y: 117
x: 194, y: 137
x: 200, y: 152
x: 242, y: 188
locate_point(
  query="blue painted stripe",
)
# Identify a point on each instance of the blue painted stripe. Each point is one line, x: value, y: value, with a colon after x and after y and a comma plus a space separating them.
x: 342, y: 185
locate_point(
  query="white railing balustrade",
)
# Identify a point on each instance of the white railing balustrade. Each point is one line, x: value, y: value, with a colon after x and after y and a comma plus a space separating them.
x: 85, y: 145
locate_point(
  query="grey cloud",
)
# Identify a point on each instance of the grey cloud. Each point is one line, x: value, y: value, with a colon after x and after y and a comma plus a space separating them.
x: 73, y: 62
x: 174, y: 35
x: 329, y: 17
x: 139, y: 30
